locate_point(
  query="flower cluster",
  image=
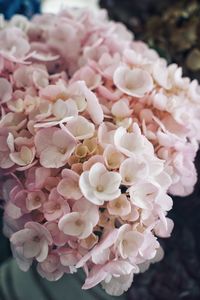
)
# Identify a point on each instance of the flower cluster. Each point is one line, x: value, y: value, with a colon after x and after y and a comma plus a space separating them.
x: 95, y: 132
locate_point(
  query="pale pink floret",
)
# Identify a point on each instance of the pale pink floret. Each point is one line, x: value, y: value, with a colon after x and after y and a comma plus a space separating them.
x: 81, y: 128
x: 58, y: 237
x: 64, y: 109
x: 99, y: 185
x: 76, y: 225
x: 106, y: 133
x: 31, y: 242
x: 164, y: 229
x: 36, y: 177
x: 101, y: 252
x: 91, y: 161
x: 135, y: 82
x: 34, y: 75
x: 128, y: 242
x: 133, y: 215
x: 143, y: 194
x: 117, y: 285
x: 94, y: 109
x: 61, y: 111
x: 13, y: 44
x: 132, y: 170
x: 81, y: 221
x: 35, y: 200
x: 120, y: 206
x: 51, y: 268
x: 161, y: 75
x: 113, y: 158
x: 132, y: 143
x: 24, y: 156
x: 55, y: 207
x: 106, y: 273
x: 68, y: 187
x: 149, y: 247
x: 54, y: 146
x: 120, y: 109
x: 54, y: 92
x: 69, y: 258
x: 108, y: 64
x: 18, y: 197
x: 91, y: 78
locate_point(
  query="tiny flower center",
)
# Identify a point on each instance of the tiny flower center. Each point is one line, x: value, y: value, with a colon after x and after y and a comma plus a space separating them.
x: 100, y: 188
x: 57, y: 206
x: 127, y: 178
x: 62, y: 150
x: 125, y: 243
x: 118, y: 204
x: 79, y: 222
x: 36, y: 239
x: 37, y: 200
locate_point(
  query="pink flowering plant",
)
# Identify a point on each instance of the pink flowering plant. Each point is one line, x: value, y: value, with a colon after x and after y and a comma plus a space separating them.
x: 96, y: 133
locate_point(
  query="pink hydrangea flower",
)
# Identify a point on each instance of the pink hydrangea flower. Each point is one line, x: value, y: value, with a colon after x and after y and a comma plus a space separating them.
x: 96, y: 131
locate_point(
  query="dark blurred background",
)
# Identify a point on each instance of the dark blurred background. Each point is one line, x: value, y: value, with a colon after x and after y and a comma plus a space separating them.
x: 172, y: 27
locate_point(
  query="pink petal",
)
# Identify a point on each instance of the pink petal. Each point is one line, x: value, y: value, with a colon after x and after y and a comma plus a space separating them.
x: 95, y: 277
x: 5, y: 90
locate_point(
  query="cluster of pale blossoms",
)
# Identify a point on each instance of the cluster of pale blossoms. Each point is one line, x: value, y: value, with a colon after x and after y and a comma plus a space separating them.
x: 95, y: 131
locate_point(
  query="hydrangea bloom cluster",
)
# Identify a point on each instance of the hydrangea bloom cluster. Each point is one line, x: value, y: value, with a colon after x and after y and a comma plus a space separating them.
x: 95, y: 132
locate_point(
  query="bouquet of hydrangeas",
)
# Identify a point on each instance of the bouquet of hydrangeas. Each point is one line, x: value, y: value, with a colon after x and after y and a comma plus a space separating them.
x: 95, y: 132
